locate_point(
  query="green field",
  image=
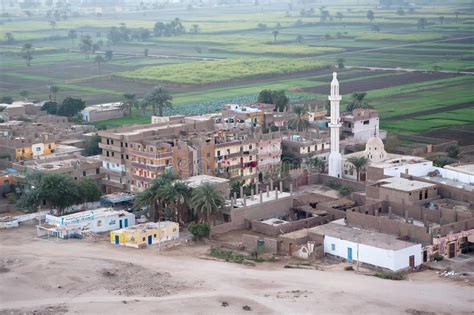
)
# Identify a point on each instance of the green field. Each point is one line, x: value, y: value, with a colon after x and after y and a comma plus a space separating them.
x: 238, y: 51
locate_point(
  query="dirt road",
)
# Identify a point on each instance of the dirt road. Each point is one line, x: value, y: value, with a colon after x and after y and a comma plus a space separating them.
x: 55, y: 277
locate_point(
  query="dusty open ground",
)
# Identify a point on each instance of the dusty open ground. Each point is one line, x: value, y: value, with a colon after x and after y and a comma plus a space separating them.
x: 83, y: 276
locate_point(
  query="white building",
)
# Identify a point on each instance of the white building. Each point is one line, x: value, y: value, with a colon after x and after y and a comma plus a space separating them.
x: 362, y: 124
x: 376, y: 249
x: 102, y: 112
x: 335, y: 158
x: 96, y: 221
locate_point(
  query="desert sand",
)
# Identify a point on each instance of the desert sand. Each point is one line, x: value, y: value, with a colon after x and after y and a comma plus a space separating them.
x: 49, y: 276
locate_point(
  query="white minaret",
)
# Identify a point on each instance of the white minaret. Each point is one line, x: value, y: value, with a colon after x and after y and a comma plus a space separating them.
x: 335, y: 158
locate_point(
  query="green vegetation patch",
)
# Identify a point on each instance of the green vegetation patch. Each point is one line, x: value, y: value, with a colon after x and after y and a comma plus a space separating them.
x: 205, y: 72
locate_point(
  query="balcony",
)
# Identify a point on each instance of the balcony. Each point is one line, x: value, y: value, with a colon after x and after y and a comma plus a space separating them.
x: 155, y: 155
x: 141, y: 166
x: 142, y: 178
x: 114, y: 184
x: 109, y: 147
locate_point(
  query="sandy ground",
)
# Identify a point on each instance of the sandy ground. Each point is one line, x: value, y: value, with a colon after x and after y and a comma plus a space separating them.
x: 85, y: 277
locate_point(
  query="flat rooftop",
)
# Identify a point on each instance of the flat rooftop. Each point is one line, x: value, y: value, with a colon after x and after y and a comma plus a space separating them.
x: 147, y: 226
x: 256, y: 198
x: 404, y: 184
x: 361, y: 236
x: 198, y: 180
x: 274, y: 222
x: 463, y: 168
x: 145, y: 129
x: 395, y: 160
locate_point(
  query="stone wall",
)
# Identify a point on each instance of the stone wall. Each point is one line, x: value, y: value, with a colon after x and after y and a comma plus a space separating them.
x: 454, y: 227
x: 250, y: 243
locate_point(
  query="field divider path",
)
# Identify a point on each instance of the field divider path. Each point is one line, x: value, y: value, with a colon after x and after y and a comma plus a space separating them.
x: 410, y: 70
x: 155, y: 56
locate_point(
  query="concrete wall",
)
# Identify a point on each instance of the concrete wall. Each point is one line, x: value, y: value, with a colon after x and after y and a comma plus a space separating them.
x: 250, y: 243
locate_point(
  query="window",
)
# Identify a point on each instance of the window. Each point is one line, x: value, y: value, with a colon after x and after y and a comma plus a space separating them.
x: 421, y: 195
x: 113, y: 154
x: 218, y: 153
x: 426, y: 194
x: 154, y: 235
x: 97, y: 170
x: 126, y: 156
x: 143, y: 239
x: 107, y: 153
x: 111, y: 141
x: 366, y: 122
x: 99, y: 223
x: 333, y: 247
x: 121, y: 144
x: 108, y: 141
x: 84, y: 173
x: 121, y: 156
x: 75, y: 178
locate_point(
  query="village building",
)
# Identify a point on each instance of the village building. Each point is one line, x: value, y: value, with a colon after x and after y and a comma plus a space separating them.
x: 221, y: 184
x: 146, y: 234
x: 361, y: 124
x: 368, y: 247
x: 101, y: 112
x: 305, y: 146
x: 81, y: 223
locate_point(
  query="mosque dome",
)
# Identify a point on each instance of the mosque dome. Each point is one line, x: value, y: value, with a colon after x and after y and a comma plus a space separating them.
x: 375, y: 149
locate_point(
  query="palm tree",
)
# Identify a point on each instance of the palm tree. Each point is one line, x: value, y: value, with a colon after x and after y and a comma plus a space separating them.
x: 299, y: 39
x: 52, y: 24
x: 9, y: 38
x: 207, y: 201
x: 340, y: 63
x: 72, y: 34
x: 27, y: 53
x: 128, y: 102
x: 457, y: 15
x: 158, y: 98
x: 153, y: 198
x: 275, y: 34
x: 421, y: 23
x: 359, y: 163
x: 53, y: 91
x: 358, y: 101
x: 441, y: 19
x: 195, y: 28
x: 182, y: 198
x: 99, y: 60
x: 298, y: 123
x: 339, y: 16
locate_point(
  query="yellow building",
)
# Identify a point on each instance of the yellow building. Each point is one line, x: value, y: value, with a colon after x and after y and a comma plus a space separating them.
x: 35, y: 150
x: 143, y: 235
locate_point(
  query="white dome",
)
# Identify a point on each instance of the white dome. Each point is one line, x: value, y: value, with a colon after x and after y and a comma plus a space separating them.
x: 375, y: 150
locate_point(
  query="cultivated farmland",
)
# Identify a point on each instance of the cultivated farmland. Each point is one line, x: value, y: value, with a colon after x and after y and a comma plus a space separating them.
x: 229, y: 53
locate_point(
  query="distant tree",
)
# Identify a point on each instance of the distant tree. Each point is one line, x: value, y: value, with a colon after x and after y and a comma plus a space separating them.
x: 261, y: 26
x: 99, y: 60
x: 72, y: 35
x: 27, y: 53
x: 299, y: 123
x: 324, y: 15
x: 358, y: 101
x: 453, y: 151
x: 128, y: 102
x: 339, y: 15
x: 195, y: 28
x: 265, y: 96
x: 441, y: 19
x: 158, y: 98
x: 359, y: 163
x: 9, y: 38
x: 400, y: 11
x: 327, y: 36
x: 275, y: 34
x: 421, y: 23
x: 92, y: 146
x: 278, y: 25
x: 6, y: 99
x: 145, y: 52
x: 442, y: 161
x: 53, y: 24
x: 109, y: 54
x: 86, y: 45
x: 71, y: 106
x: 299, y: 39
x: 392, y: 142
x: 340, y: 63
x: 457, y: 15
x: 88, y: 190
x: 280, y: 100
x: 53, y: 92
x: 370, y: 15
x: 50, y: 107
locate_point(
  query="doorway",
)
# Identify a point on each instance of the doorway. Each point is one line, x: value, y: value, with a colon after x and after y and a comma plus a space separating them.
x: 150, y: 240
x: 411, y: 261
x: 349, y: 254
x: 117, y: 240
x: 452, y: 249
x: 125, y: 222
x: 120, y: 224
x: 425, y: 256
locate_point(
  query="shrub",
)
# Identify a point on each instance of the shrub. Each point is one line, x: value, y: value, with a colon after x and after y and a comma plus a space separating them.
x: 453, y: 151
x: 438, y: 257
x: 333, y: 184
x: 12, y: 198
x: 390, y: 275
x: 348, y: 268
x: 199, y: 231
x: 344, y: 191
